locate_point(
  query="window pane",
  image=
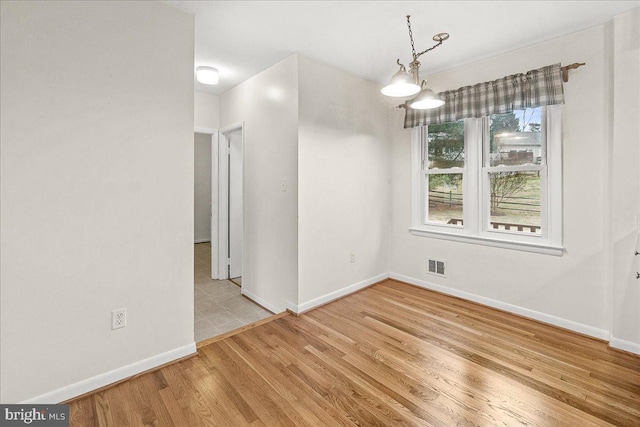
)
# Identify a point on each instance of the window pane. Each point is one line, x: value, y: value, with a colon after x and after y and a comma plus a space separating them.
x: 446, y: 145
x: 515, y: 202
x: 516, y: 138
x: 445, y: 198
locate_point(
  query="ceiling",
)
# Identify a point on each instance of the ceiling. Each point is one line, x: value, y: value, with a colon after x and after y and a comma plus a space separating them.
x: 242, y: 38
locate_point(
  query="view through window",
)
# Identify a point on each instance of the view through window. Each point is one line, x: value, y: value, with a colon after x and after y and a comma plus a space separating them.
x: 490, y: 177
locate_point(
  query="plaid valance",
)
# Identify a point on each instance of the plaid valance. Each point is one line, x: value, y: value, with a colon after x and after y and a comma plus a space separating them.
x: 534, y: 88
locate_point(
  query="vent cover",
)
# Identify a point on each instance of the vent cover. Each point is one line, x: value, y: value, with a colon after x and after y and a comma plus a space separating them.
x: 436, y: 267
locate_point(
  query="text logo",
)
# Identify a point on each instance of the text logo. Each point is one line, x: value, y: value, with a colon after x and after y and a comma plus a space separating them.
x: 34, y: 415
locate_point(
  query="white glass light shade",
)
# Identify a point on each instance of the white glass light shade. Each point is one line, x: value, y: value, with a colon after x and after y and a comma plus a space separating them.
x: 401, y: 84
x: 426, y: 100
x: 207, y: 75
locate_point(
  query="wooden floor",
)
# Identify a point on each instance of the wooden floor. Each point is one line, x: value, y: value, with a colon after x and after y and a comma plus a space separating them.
x: 390, y: 355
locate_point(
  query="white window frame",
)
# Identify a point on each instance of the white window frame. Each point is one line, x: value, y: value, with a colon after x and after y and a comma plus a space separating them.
x: 425, y: 172
x: 476, y: 217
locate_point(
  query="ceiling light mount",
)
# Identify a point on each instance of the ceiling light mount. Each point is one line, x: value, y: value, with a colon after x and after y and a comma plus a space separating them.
x: 407, y: 83
x: 440, y: 37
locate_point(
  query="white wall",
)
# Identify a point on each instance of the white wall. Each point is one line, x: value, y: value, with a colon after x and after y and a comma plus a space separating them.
x: 206, y: 113
x: 268, y: 105
x: 343, y: 182
x: 97, y: 193
x: 573, y: 289
x: 625, y: 182
x: 202, y: 188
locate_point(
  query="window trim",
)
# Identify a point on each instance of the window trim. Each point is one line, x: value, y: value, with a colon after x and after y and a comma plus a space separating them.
x: 476, y: 224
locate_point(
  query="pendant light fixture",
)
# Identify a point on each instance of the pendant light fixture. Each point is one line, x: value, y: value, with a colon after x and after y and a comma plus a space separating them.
x: 407, y: 83
x: 426, y: 99
x: 401, y: 84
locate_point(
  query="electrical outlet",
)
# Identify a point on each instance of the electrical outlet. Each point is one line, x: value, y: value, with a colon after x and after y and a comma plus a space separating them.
x: 119, y: 318
x: 352, y: 257
x: 283, y: 184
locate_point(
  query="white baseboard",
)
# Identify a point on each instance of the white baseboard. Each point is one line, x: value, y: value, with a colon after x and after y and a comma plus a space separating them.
x: 629, y: 346
x: 94, y: 383
x: 253, y: 297
x: 532, y: 314
x: 306, y: 306
x: 202, y: 240
x: 292, y: 307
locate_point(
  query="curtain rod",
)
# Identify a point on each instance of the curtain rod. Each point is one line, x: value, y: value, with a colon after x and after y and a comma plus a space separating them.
x: 565, y: 75
x: 566, y: 68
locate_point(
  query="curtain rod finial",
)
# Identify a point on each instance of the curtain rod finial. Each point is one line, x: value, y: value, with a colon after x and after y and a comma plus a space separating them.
x: 566, y: 68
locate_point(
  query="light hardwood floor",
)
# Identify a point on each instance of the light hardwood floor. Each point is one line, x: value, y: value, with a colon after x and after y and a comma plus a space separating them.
x: 390, y: 355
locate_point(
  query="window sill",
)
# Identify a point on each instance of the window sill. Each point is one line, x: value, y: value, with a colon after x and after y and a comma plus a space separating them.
x: 485, y: 241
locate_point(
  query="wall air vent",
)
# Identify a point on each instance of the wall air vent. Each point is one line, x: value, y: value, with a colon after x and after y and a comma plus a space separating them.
x: 436, y: 267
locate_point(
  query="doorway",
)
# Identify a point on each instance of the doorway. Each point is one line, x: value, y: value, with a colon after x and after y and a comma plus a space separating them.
x: 219, y: 306
x: 202, y: 187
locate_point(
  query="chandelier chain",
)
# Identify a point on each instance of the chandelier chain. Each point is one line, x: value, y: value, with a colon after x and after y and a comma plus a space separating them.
x: 431, y: 48
x: 413, y: 49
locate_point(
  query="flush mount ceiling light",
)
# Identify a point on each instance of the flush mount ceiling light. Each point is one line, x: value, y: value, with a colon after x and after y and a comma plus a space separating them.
x: 207, y: 75
x: 407, y: 83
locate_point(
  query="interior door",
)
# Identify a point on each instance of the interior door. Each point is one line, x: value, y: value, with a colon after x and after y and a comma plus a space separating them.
x: 235, y: 204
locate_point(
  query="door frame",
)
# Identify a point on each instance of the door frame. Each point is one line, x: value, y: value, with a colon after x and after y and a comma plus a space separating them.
x: 222, y: 199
